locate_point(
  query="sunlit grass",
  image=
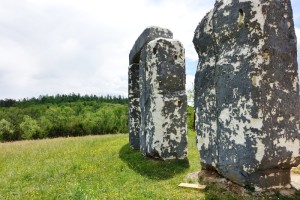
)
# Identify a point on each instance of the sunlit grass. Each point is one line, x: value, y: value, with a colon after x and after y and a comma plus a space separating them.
x: 93, y: 167
x: 98, y: 167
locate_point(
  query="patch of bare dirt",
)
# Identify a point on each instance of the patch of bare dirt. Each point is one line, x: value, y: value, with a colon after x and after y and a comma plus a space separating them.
x: 207, y: 177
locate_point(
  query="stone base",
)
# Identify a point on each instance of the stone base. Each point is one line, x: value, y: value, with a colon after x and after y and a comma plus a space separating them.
x: 208, y: 177
x: 259, y: 180
x: 270, y: 179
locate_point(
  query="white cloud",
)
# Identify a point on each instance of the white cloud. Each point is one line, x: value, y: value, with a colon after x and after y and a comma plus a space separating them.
x: 190, y: 82
x: 64, y: 46
x: 70, y: 47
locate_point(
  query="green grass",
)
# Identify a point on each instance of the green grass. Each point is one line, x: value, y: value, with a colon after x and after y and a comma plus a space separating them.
x: 296, y: 170
x: 97, y: 167
x: 93, y: 167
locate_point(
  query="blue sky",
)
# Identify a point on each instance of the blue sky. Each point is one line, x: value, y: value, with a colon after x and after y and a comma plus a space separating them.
x: 65, y: 46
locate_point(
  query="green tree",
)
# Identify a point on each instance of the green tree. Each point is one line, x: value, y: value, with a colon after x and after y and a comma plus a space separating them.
x: 121, y: 118
x: 190, y: 118
x: 45, y: 125
x: 6, y: 130
x: 30, y: 128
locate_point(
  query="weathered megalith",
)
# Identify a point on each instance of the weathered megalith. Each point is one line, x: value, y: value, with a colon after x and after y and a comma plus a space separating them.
x: 247, y: 92
x: 163, y: 100
x: 148, y: 35
x: 134, y: 106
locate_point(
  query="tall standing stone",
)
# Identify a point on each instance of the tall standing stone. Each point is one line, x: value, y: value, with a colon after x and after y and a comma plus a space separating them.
x: 247, y: 92
x: 134, y: 112
x: 163, y: 100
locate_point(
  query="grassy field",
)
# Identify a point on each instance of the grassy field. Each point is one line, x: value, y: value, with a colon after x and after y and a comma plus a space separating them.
x: 95, y: 167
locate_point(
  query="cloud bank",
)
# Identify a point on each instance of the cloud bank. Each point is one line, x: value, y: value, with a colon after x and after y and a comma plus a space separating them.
x: 64, y: 46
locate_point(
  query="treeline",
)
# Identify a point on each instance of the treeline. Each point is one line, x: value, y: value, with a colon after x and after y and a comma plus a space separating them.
x: 57, y: 99
x: 66, y: 115
x: 62, y: 120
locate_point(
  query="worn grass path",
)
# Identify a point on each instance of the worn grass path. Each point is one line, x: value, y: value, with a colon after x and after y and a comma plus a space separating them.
x: 93, y: 167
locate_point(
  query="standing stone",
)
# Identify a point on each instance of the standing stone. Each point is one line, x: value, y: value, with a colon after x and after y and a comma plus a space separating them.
x: 163, y: 100
x: 134, y: 106
x: 148, y: 35
x: 247, y: 92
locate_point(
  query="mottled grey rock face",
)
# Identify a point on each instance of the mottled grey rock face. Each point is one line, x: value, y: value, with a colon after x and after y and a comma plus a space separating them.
x: 148, y: 35
x: 134, y: 106
x: 157, y: 99
x: 247, y: 92
x: 163, y: 100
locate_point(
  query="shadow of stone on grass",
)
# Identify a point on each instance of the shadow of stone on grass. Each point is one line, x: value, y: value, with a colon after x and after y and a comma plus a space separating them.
x: 153, y: 169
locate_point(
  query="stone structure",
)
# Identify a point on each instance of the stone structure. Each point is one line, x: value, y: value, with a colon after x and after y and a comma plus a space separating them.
x: 134, y: 113
x: 163, y: 100
x: 134, y: 106
x: 247, y: 92
x: 161, y: 112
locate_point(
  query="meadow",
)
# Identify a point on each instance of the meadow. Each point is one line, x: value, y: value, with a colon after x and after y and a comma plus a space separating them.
x: 91, y: 167
x: 97, y: 167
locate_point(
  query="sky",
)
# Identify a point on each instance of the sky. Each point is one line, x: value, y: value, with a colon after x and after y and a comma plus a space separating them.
x: 50, y: 47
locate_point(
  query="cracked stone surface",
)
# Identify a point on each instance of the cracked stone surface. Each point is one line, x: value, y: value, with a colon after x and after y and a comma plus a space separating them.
x: 163, y: 100
x: 247, y: 92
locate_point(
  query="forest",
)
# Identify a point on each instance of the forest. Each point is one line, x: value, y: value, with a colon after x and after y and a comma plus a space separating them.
x: 65, y: 116
x: 62, y: 116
